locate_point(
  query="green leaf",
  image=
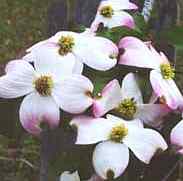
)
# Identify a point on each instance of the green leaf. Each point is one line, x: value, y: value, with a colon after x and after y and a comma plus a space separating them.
x: 141, y: 25
x: 115, y: 34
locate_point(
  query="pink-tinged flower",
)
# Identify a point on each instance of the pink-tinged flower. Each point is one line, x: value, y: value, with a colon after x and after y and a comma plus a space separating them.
x: 111, y: 14
x: 127, y: 101
x: 41, y: 85
x: 83, y: 48
x: 115, y: 137
x: 140, y: 54
x: 176, y: 137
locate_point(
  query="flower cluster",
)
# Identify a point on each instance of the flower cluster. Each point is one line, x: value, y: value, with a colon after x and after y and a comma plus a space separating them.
x: 52, y: 76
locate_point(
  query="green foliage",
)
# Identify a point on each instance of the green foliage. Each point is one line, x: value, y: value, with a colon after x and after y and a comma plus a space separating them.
x: 115, y: 34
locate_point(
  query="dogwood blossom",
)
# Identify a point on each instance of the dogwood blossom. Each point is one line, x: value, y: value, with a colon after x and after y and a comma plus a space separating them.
x: 161, y: 77
x: 41, y: 85
x: 115, y: 137
x: 83, y: 48
x: 111, y: 14
x: 176, y: 136
x: 127, y: 101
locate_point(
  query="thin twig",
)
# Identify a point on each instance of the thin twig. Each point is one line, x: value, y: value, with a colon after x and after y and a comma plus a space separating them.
x: 44, y: 160
x: 172, y: 170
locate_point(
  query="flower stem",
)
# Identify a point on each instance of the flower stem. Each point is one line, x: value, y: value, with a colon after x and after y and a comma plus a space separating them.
x: 172, y: 170
x: 44, y: 160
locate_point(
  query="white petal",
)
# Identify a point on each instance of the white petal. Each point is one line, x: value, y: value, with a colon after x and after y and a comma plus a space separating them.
x: 29, y: 57
x: 36, y: 109
x: 96, y: 52
x: 130, y: 88
x: 176, y: 136
x: 144, y: 143
x: 131, y: 123
x: 92, y: 130
x: 166, y: 88
x: 151, y: 114
x: 120, y: 18
x: 51, y: 41
x: 18, y: 81
x: 160, y: 57
x: 49, y: 61
x: 78, y: 67
x: 66, y: 176
x: 110, y: 98
x: 134, y: 47
x: 110, y: 156
x: 71, y: 94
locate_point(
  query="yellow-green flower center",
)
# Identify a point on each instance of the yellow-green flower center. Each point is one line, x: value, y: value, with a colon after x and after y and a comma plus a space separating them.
x: 66, y: 44
x: 167, y: 71
x: 127, y: 108
x: 107, y: 11
x: 118, y: 133
x: 44, y: 85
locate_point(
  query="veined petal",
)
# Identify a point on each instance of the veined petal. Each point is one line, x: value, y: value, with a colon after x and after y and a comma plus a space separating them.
x: 49, y: 61
x: 176, y: 136
x: 29, y: 57
x: 102, y: 57
x: 35, y: 110
x: 110, y: 98
x: 167, y: 89
x: 144, y: 143
x: 18, y: 81
x: 91, y: 130
x: 151, y: 114
x: 110, y: 158
x: 73, y: 94
x: 67, y: 176
x: 130, y: 88
x: 134, y: 47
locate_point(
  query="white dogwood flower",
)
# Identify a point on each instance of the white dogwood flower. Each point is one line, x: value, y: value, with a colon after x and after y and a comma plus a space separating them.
x: 41, y: 85
x: 111, y: 14
x: 82, y: 48
x: 127, y: 101
x: 115, y: 137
